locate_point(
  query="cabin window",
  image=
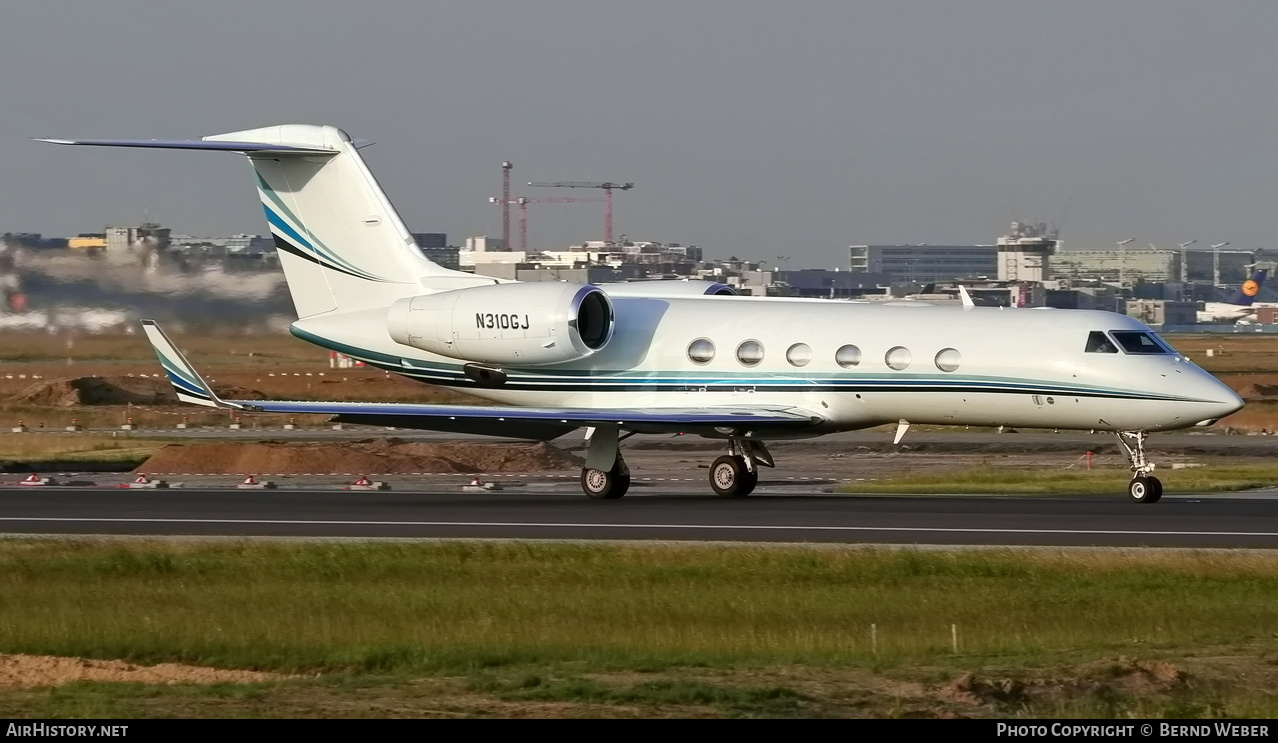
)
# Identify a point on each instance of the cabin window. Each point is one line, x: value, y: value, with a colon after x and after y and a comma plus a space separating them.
x: 948, y: 360
x: 701, y: 351
x: 1098, y: 342
x: 848, y: 357
x: 799, y: 354
x: 750, y: 353
x: 897, y: 358
x: 1135, y: 341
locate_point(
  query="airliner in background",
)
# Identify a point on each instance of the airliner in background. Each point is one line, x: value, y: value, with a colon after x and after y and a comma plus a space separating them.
x: 1241, y: 305
x: 671, y: 356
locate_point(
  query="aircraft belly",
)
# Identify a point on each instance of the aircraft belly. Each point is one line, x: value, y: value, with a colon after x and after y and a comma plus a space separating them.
x: 1032, y: 411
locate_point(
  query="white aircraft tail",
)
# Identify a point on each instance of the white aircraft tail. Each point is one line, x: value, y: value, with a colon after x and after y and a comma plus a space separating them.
x: 341, y: 243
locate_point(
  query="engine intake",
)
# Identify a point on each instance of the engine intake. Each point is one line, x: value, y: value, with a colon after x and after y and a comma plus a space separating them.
x: 533, y: 324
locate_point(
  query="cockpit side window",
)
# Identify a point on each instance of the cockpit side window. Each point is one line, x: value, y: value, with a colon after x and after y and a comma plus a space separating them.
x: 1098, y: 342
x: 1137, y: 342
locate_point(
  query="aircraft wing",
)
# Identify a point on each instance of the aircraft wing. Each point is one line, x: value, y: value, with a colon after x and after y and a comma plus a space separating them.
x: 489, y: 420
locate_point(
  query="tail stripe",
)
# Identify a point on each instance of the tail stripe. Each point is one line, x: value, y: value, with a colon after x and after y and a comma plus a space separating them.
x: 301, y: 248
x: 324, y: 254
x: 179, y: 377
x: 183, y: 385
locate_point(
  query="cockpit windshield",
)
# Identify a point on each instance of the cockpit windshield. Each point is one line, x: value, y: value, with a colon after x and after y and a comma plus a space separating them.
x: 1138, y: 342
x: 1098, y: 342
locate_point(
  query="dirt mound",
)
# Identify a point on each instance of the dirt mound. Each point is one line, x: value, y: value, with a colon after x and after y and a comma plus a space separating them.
x: 236, y: 392
x: 1258, y: 391
x: 370, y: 456
x: 19, y: 671
x: 68, y: 393
x: 1125, y: 676
x: 1135, y: 676
x: 969, y: 689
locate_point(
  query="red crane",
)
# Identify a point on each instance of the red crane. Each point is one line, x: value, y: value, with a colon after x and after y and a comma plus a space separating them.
x: 607, y: 189
x: 523, y: 203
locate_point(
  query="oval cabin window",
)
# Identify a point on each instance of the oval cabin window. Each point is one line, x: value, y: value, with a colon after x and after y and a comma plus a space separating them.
x: 701, y: 351
x: 799, y: 354
x: 848, y: 357
x: 898, y: 358
x: 750, y: 353
x: 948, y: 360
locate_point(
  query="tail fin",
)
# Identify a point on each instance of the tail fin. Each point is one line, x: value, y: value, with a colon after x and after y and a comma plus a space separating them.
x: 342, y: 245
x: 1248, y: 290
x: 186, y: 381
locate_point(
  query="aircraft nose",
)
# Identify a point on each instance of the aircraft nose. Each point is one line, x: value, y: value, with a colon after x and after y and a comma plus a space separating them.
x: 1225, y: 402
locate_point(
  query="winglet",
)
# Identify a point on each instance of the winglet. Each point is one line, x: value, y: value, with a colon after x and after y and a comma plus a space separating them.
x: 186, y: 381
x: 967, y: 298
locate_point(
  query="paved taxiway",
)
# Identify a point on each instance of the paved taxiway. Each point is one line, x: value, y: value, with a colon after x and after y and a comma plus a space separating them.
x: 658, y: 514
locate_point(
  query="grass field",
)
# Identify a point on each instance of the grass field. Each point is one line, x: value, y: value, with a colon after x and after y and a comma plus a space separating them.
x: 642, y: 630
x: 1214, y: 476
x: 72, y: 447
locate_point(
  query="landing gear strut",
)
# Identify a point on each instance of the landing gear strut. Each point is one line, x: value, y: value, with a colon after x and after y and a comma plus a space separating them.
x: 1144, y: 487
x: 736, y: 474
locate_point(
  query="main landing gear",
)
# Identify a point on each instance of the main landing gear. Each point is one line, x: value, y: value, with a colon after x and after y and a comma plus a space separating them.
x: 1144, y: 487
x: 607, y: 484
x: 734, y: 475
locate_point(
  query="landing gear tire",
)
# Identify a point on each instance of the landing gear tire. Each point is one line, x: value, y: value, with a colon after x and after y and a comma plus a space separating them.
x: 1145, y: 489
x: 729, y: 477
x: 608, y: 485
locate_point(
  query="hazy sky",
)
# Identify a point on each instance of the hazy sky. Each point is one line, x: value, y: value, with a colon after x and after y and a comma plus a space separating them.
x: 748, y: 127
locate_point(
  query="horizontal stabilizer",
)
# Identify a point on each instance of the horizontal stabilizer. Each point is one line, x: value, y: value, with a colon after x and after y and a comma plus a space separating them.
x: 194, y: 144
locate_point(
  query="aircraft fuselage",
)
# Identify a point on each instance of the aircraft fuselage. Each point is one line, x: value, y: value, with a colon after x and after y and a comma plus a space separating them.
x: 857, y: 365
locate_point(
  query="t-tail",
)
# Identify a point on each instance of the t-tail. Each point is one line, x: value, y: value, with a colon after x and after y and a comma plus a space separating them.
x: 1248, y: 290
x: 341, y: 243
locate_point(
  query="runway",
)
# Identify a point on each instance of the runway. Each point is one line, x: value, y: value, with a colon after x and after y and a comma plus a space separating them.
x: 1177, y: 521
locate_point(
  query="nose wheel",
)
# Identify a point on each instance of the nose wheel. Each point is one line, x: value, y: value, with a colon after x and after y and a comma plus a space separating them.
x: 1144, y: 487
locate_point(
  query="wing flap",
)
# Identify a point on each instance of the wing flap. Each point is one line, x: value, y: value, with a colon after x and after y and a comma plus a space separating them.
x: 648, y: 420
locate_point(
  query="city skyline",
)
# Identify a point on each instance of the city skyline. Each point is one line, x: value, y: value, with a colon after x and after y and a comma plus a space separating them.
x: 748, y: 128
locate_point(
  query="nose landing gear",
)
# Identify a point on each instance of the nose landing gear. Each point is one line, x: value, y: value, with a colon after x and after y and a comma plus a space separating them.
x: 1144, y: 487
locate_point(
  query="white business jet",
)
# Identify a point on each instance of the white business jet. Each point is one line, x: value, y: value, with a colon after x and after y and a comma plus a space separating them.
x: 671, y: 357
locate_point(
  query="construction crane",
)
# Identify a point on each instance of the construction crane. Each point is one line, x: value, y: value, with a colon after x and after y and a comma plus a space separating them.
x: 523, y: 203
x: 506, y: 166
x: 607, y: 189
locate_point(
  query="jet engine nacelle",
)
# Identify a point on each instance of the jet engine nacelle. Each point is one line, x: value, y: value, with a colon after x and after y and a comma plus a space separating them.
x: 517, y: 324
x: 666, y: 288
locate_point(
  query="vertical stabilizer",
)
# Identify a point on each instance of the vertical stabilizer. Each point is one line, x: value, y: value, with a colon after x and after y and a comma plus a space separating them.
x: 343, y: 246
x: 341, y: 243
x: 1248, y: 290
